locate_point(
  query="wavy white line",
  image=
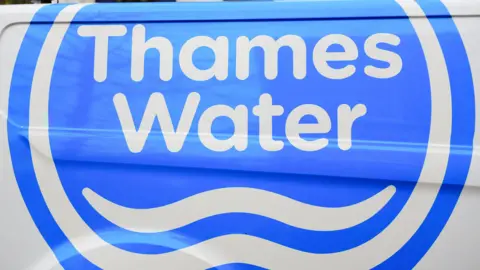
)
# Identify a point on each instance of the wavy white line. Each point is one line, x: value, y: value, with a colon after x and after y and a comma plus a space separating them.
x: 239, y: 200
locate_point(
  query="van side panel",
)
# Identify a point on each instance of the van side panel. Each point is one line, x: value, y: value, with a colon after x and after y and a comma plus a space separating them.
x: 278, y: 135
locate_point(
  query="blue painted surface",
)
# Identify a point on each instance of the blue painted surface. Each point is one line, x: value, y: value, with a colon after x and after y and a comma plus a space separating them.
x: 389, y: 143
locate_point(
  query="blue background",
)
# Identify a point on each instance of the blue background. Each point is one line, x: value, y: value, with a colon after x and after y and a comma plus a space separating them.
x: 389, y: 142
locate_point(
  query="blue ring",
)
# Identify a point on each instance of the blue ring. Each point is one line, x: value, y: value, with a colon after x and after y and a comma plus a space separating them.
x: 463, y: 118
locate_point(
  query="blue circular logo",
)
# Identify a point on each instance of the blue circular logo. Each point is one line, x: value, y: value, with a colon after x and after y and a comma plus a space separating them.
x: 286, y: 144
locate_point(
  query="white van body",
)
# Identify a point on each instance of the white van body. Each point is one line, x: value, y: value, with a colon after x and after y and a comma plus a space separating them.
x: 170, y: 135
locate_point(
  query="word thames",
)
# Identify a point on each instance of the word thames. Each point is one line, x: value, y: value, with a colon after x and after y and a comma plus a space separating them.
x: 157, y: 107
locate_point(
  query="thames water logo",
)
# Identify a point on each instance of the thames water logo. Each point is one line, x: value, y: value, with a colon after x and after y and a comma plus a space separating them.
x: 296, y: 144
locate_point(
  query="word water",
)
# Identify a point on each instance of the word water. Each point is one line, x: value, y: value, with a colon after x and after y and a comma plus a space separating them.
x: 265, y: 111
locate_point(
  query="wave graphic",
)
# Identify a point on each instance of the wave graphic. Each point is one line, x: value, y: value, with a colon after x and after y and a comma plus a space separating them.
x: 239, y: 200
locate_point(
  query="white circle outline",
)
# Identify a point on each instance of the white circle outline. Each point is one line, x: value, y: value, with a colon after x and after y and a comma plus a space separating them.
x: 243, y: 248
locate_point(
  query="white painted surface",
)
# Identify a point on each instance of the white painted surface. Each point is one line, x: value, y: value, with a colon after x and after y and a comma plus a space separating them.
x: 21, y: 245
x: 458, y: 245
